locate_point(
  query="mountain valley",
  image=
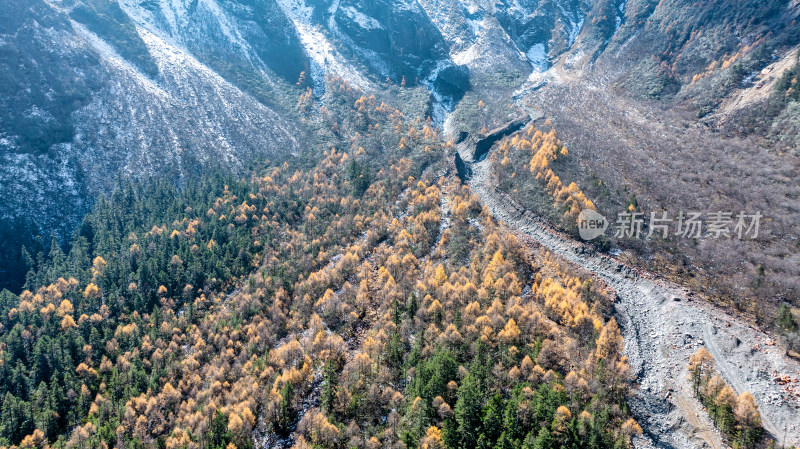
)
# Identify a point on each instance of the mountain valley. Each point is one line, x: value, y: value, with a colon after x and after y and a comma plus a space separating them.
x: 356, y: 223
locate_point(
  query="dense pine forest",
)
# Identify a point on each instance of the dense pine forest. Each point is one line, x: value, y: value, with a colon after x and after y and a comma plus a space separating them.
x: 357, y: 296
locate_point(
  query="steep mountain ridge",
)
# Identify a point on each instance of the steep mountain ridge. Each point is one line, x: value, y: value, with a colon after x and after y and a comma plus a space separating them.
x: 83, y: 106
x: 223, y: 34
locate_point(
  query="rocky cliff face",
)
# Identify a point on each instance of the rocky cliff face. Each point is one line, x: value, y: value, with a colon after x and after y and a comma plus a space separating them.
x: 400, y: 36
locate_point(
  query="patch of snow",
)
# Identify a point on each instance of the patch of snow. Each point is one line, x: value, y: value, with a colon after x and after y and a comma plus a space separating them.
x: 575, y: 24
x: 364, y: 21
x: 369, y: 57
x: 110, y: 56
x: 472, y: 52
x: 537, y: 55
x: 41, y: 114
x: 476, y: 25
x: 170, y: 9
x: 472, y: 8
x: 517, y: 8
x: 465, y: 57
x: 441, y: 106
x: 165, y: 18
x: 229, y: 31
x: 317, y: 45
x: 149, y: 119
x: 334, y: 6
x: 407, y: 5
x: 209, y: 24
x: 621, y: 16
x: 576, y: 29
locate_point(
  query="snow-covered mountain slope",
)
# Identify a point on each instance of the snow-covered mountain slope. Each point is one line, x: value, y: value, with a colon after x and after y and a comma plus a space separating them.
x: 171, y: 87
x: 223, y: 33
x: 78, y: 108
x: 228, y: 127
x: 325, y: 58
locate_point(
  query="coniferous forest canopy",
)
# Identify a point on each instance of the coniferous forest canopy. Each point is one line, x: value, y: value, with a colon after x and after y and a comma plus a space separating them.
x: 363, y: 300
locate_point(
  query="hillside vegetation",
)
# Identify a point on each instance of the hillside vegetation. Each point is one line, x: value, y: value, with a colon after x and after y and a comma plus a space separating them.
x: 362, y: 299
x: 629, y: 157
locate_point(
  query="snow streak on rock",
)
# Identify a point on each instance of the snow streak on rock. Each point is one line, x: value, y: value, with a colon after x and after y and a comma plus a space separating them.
x: 317, y: 45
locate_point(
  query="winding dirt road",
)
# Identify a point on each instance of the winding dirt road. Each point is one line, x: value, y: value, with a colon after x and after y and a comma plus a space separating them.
x: 662, y: 327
